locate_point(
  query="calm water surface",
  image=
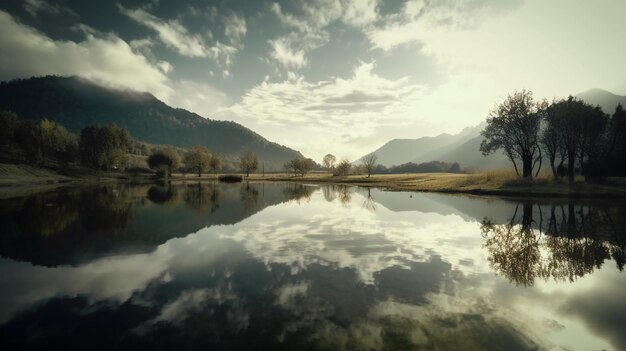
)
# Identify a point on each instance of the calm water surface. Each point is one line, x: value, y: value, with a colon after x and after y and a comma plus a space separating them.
x: 285, y: 266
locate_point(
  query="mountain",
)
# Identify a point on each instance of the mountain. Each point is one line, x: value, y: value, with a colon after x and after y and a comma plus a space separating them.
x: 605, y: 99
x: 461, y: 148
x: 75, y: 103
x: 400, y: 151
x: 464, y: 146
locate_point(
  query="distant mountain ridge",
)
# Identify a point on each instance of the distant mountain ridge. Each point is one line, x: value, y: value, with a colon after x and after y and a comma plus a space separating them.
x: 75, y: 103
x: 464, y: 146
x: 605, y: 99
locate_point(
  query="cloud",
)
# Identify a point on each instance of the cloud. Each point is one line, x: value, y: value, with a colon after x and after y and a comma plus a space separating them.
x: 235, y: 28
x: 197, y: 97
x: 360, y: 13
x: 285, y: 54
x: 296, y: 101
x: 106, y: 59
x: 290, y: 50
x: 171, y: 33
x: 361, y: 106
x: 174, y: 35
x: 419, y: 17
x: 35, y: 7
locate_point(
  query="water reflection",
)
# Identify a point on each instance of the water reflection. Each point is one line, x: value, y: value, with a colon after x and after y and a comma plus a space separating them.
x: 578, y: 239
x: 76, y: 226
x: 289, y: 266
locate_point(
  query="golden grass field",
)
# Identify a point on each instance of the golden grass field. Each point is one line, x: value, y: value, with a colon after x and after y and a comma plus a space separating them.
x: 498, y: 182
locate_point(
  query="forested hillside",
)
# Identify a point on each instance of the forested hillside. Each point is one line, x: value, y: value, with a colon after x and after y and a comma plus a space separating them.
x: 75, y: 103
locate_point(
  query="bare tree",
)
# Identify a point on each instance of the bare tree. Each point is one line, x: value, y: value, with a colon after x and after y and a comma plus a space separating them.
x: 299, y: 165
x: 343, y: 168
x: 329, y: 161
x: 249, y: 163
x: 369, y: 162
x: 215, y: 164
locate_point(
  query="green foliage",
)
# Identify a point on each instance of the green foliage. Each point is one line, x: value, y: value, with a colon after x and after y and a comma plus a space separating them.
x: 166, y: 160
x: 77, y: 103
x: 104, y: 148
x: 513, y: 126
x: 45, y: 140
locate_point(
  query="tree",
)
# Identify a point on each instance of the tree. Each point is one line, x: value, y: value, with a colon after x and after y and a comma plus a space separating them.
x: 343, y: 168
x: 9, y: 122
x: 617, y: 142
x: 551, y: 137
x: 104, y: 148
x: 173, y: 158
x: 369, y: 162
x: 581, y: 128
x: 198, y: 159
x: 249, y: 163
x: 215, y: 164
x: 329, y: 161
x: 299, y: 165
x: 45, y: 140
x: 158, y: 162
x: 513, y: 126
x: 165, y: 160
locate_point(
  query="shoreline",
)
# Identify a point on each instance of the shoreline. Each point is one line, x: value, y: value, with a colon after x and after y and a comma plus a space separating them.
x: 24, y: 179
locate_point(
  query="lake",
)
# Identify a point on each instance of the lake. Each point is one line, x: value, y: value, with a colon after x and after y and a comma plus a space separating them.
x: 304, y: 267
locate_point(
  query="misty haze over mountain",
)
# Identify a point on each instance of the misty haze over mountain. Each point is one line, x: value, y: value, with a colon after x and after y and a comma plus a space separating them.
x: 464, y: 146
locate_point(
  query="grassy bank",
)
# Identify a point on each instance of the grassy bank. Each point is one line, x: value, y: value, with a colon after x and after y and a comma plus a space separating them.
x: 19, y: 178
x: 505, y: 183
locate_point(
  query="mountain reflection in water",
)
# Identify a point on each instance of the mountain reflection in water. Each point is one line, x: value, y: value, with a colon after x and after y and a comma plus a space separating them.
x: 291, y: 266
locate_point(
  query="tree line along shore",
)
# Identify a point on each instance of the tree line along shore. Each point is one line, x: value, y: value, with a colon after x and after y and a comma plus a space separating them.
x: 585, y: 149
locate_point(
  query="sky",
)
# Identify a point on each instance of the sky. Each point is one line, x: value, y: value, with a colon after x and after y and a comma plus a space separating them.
x: 325, y: 76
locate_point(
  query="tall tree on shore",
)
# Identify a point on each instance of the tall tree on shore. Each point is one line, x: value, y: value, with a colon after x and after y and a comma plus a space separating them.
x: 329, y: 161
x: 9, y: 122
x: 105, y: 147
x: 173, y: 158
x: 551, y: 138
x: 513, y: 126
x: 198, y: 159
x: 343, y: 168
x: 581, y: 128
x: 215, y: 164
x: 45, y: 140
x: 166, y: 160
x: 369, y: 162
x: 617, y: 141
x: 249, y: 163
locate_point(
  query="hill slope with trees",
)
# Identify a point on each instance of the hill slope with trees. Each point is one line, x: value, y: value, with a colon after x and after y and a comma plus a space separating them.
x: 75, y: 103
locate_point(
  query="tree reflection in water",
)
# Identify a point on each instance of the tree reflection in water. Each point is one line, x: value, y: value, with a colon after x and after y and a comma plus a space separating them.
x: 106, y: 209
x: 369, y: 203
x: 341, y: 192
x: 564, y: 244
x: 164, y: 195
x: 249, y: 195
x: 202, y: 196
x: 298, y: 192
